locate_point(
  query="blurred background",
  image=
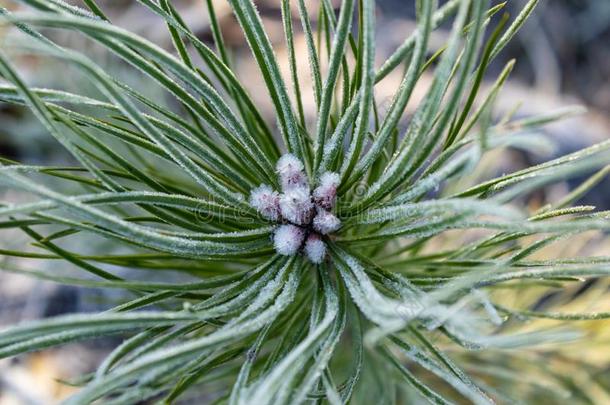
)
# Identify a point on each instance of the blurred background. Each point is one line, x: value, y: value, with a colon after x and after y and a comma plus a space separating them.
x: 563, y: 59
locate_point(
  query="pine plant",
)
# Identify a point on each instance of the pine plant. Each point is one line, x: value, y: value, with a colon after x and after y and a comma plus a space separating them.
x: 339, y: 259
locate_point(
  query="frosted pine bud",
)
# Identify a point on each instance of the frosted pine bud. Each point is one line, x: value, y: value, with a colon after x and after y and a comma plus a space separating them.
x: 305, y: 214
x: 266, y: 201
x: 296, y: 206
x: 288, y: 239
x: 315, y: 248
x: 290, y: 170
x: 325, y: 222
x: 325, y: 194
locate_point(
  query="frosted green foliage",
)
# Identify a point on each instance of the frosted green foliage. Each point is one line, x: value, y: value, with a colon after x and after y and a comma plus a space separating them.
x: 341, y: 255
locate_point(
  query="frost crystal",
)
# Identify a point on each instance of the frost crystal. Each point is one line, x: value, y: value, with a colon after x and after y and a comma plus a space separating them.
x: 290, y: 169
x: 296, y: 205
x: 326, y: 193
x: 288, y: 239
x: 301, y: 213
x: 266, y: 201
x: 315, y: 249
x: 325, y: 222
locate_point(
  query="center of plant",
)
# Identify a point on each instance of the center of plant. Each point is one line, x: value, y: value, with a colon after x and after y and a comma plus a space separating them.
x: 304, y: 218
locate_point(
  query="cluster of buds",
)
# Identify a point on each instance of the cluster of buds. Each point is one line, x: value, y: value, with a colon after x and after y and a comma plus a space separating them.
x: 304, y: 216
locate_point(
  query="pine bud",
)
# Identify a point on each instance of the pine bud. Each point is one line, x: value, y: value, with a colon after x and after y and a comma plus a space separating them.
x: 315, y: 248
x: 325, y: 195
x: 325, y: 222
x: 288, y: 239
x: 296, y: 206
x: 266, y: 201
x: 290, y: 170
